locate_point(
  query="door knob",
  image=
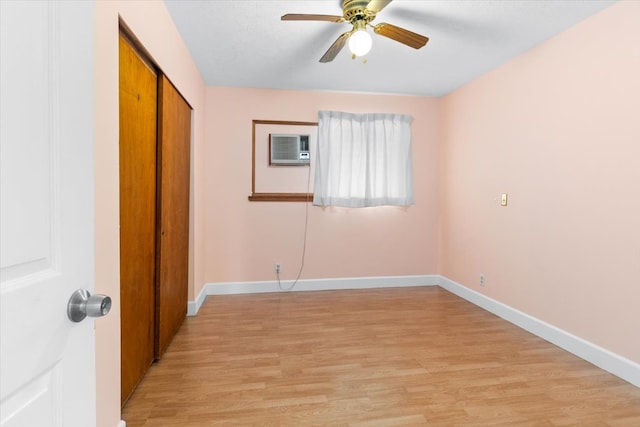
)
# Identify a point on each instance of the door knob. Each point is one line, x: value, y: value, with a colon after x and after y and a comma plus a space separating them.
x: 83, y: 304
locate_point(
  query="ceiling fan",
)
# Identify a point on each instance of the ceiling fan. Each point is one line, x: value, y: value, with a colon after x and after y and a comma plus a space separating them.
x: 360, y: 13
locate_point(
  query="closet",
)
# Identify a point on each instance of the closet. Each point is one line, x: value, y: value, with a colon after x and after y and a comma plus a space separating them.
x: 155, y: 134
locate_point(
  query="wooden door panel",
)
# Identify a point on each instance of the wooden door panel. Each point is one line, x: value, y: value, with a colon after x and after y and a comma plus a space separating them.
x: 174, y: 130
x: 138, y: 113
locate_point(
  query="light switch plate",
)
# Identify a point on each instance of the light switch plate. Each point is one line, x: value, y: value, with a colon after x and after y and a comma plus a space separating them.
x: 503, y: 199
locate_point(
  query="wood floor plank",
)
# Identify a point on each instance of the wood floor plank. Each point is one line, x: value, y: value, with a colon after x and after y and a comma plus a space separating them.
x: 383, y: 357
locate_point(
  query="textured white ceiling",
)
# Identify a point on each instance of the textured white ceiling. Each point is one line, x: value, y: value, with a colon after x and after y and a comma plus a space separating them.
x: 243, y: 43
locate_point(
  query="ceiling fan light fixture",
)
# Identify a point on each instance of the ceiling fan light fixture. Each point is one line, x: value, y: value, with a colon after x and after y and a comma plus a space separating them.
x: 360, y: 42
x: 360, y: 14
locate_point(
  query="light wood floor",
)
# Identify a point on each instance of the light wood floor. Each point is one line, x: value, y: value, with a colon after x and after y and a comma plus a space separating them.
x: 386, y: 357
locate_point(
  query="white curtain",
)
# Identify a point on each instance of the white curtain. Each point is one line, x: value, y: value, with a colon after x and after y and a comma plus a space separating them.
x: 363, y: 160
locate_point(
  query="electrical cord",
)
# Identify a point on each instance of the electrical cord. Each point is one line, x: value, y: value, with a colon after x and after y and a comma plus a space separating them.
x: 304, y: 240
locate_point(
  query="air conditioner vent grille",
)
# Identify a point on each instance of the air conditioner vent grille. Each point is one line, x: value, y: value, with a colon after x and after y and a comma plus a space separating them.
x: 285, y: 148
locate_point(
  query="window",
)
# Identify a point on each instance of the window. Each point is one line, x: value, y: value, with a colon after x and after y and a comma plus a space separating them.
x: 273, y: 183
x: 363, y: 160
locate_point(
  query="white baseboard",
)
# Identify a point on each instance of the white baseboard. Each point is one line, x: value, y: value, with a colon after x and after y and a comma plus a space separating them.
x: 231, y: 288
x: 194, y: 306
x: 122, y: 423
x: 602, y: 358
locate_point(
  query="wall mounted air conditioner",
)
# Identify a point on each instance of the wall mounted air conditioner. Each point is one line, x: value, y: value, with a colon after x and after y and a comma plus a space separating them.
x: 289, y: 150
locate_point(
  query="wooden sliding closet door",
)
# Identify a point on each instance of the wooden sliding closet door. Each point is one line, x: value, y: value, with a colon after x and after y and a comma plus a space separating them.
x: 138, y: 117
x: 172, y: 266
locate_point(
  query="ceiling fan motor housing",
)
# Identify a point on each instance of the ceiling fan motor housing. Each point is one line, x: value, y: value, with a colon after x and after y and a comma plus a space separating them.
x: 356, y: 12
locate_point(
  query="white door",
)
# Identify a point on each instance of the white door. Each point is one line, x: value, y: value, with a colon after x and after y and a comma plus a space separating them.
x: 47, y: 375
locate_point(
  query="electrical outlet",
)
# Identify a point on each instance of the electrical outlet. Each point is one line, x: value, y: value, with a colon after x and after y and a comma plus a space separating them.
x: 483, y: 280
x: 278, y: 267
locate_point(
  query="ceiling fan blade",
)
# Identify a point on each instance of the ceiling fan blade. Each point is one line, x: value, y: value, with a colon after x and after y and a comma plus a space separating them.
x: 377, y: 5
x: 308, y: 17
x: 401, y: 35
x: 335, y: 48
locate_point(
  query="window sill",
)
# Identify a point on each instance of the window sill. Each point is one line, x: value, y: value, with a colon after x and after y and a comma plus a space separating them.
x: 281, y: 197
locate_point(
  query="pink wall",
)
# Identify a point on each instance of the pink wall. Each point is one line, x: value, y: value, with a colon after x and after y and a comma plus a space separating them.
x: 557, y: 128
x: 244, y: 239
x: 152, y: 24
